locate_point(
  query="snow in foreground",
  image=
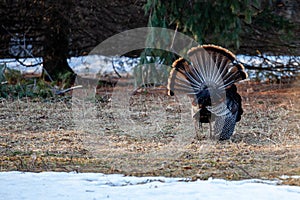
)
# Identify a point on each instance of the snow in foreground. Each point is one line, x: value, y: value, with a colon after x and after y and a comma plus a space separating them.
x: 61, y: 185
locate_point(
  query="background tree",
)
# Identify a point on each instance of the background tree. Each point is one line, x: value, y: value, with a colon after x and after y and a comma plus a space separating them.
x: 56, y: 30
x: 56, y: 20
x: 256, y: 28
x: 232, y: 23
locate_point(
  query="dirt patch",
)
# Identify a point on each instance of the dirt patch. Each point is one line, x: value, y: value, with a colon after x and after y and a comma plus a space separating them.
x: 42, y: 135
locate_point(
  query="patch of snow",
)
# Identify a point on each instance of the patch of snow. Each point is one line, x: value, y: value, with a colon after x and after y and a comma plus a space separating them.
x: 95, y: 64
x: 94, y: 186
x: 287, y: 177
x: 90, y: 65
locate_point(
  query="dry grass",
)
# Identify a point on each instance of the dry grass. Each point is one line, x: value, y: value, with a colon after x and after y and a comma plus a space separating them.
x: 42, y: 135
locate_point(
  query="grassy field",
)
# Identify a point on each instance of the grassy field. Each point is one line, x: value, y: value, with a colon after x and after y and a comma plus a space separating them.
x: 42, y: 135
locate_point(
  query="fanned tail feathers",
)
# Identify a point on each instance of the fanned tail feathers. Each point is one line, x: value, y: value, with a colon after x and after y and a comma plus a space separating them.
x: 208, y: 76
x: 209, y: 66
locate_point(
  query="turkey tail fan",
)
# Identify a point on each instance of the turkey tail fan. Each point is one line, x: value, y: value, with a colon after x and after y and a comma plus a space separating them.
x: 208, y: 77
x: 179, y: 78
x: 209, y: 67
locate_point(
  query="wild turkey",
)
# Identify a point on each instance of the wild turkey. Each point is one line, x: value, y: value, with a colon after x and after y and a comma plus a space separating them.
x: 208, y: 78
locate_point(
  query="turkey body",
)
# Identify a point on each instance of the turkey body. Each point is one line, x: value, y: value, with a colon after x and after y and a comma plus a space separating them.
x: 208, y: 77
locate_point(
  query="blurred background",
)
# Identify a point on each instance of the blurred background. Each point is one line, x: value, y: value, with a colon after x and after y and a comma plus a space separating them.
x: 49, y: 39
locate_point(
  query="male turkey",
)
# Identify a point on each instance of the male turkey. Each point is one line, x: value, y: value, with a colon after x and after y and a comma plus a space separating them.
x: 208, y: 77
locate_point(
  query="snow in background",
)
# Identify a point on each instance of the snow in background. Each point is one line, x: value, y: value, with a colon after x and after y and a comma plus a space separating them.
x: 95, y: 64
x: 83, y: 65
x: 94, y: 186
x: 289, y: 66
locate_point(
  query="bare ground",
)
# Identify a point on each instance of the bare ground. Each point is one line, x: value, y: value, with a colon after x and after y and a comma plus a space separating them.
x: 43, y: 135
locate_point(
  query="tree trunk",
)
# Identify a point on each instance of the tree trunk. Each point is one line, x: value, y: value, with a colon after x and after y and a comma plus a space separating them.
x: 55, y: 57
x: 56, y: 44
